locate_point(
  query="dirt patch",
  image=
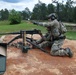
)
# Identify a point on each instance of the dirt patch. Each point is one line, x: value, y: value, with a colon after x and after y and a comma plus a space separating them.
x: 36, y: 62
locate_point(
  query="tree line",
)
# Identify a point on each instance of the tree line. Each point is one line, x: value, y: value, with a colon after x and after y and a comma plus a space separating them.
x: 65, y: 12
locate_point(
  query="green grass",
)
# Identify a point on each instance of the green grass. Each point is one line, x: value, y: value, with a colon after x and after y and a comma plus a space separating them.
x: 5, y: 22
x: 4, y: 27
x: 71, y: 35
x: 25, y: 25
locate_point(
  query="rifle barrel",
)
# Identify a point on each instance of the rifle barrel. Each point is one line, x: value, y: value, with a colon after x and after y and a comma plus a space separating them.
x: 27, y: 32
x: 9, y: 33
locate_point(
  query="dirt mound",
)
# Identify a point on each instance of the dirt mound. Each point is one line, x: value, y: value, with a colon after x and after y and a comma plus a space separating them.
x: 36, y: 62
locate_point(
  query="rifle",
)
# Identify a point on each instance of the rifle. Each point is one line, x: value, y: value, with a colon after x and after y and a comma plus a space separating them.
x: 22, y: 34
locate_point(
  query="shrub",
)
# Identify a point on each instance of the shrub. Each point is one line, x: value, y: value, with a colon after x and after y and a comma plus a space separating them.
x: 14, y: 17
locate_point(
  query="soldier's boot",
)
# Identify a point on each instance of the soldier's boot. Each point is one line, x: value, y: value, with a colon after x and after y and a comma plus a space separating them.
x: 69, y: 52
x: 62, y: 52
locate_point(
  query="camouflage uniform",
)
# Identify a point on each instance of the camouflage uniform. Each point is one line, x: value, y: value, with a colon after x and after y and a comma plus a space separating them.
x: 54, y: 32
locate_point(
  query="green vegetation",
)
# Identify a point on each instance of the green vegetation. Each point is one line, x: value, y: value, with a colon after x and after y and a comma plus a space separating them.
x: 14, y: 17
x: 5, y: 22
x: 25, y: 25
x: 66, y: 12
x: 71, y: 35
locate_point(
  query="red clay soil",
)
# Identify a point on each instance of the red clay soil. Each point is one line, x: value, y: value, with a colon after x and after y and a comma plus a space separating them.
x: 36, y: 62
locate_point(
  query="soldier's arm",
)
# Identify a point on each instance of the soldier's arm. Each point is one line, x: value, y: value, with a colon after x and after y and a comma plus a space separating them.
x: 45, y: 24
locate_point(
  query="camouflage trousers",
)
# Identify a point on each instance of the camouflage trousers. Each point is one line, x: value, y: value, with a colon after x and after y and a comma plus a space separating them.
x: 56, y: 49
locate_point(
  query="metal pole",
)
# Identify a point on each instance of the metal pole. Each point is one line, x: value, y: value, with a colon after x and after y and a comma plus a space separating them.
x: 24, y: 38
x: 24, y: 47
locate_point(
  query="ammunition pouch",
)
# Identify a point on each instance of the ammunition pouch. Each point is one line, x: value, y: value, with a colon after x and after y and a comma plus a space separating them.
x: 59, y: 37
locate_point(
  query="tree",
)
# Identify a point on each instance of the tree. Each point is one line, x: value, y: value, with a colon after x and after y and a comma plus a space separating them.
x: 69, y: 11
x: 50, y: 8
x: 39, y: 11
x: 35, y: 12
x: 14, y: 17
x: 61, y: 12
x: 43, y: 11
x: 26, y: 14
x: 4, y: 14
x: 74, y: 15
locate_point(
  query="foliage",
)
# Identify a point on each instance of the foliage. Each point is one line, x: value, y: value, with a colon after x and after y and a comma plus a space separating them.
x: 74, y: 15
x: 14, y: 17
x: 26, y: 14
x: 71, y: 35
x: 51, y: 8
x: 4, y: 22
x: 4, y: 14
x: 39, y: 11
x: 66, y: 12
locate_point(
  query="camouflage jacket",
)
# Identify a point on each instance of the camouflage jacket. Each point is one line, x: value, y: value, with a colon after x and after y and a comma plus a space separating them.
x: 53, y: 26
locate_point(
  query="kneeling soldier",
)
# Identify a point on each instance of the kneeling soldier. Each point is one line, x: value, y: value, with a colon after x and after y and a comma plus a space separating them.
x: 55, y: 35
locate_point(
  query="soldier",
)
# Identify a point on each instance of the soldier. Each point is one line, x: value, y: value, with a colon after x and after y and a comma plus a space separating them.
x: 55, y: 36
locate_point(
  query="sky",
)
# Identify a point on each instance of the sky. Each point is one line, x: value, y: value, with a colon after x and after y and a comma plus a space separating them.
x: 20, y: 5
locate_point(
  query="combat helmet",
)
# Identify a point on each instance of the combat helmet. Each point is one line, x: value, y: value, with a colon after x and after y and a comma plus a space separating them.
x: 52, y: 16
